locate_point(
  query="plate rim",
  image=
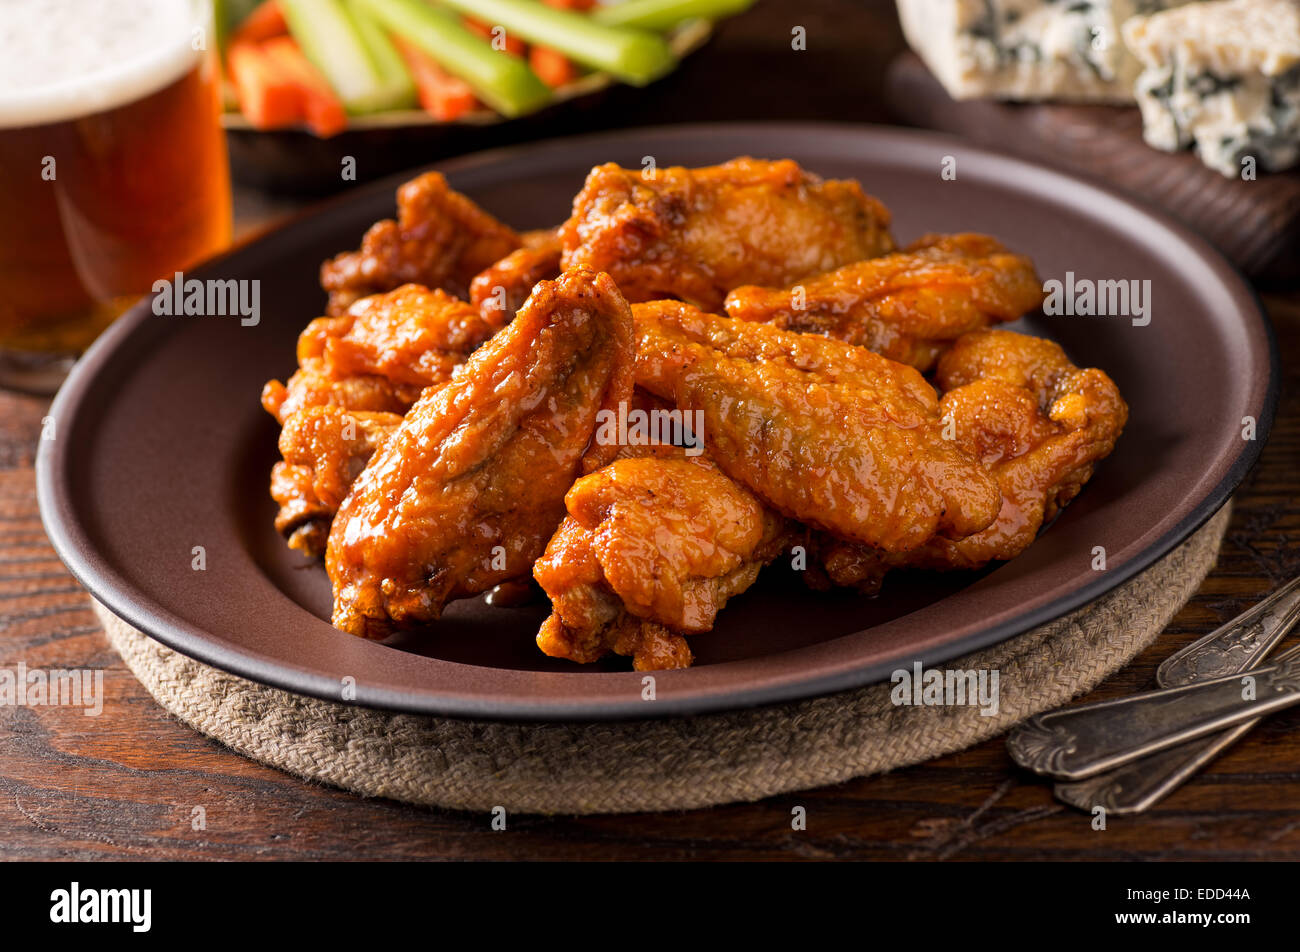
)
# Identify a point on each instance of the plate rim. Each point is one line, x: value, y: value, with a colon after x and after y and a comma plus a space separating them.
x: 74, y: 547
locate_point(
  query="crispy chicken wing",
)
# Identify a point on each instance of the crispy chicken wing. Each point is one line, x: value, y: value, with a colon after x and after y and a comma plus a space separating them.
x: 357, y: 374
x: 449, y: 429
x: 694, y: 234
x: 501, y: 289
x: 441, y: 239
x: 905, y: 306
x: 824, y: 432
x: 1037, y: 423
x: 651, y: 549
x: 324, y: 449
x: 467, y: 491
x: 381, y: 354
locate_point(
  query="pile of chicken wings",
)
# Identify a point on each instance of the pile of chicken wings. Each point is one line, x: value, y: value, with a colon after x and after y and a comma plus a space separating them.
x: 442, y: 436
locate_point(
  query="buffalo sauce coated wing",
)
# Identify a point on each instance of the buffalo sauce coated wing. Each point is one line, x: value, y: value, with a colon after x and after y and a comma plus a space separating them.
x: 500, y: 289
x: 440, y: 239
x: 324, y: 449
x: 380, y: 354
x: 824, y: 432
x: 357, y: 374
x: 651, y: 550
x: 694, y: 234
x: 467, y: 491
x: 1037, y: 423
x: 906, y: 306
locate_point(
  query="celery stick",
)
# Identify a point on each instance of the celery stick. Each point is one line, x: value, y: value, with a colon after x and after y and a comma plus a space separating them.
x: 503, y: 82
x: 330, y: 40
x: 227, y: 15
x: 663, y: 15
x: 392, y: 68
x: 632, y: 55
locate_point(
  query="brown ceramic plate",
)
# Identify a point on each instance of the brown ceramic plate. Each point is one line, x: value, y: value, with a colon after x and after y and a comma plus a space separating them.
x: 161, y: 446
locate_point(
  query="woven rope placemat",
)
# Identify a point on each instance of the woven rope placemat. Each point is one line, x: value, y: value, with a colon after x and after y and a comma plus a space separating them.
x: 676, y: 763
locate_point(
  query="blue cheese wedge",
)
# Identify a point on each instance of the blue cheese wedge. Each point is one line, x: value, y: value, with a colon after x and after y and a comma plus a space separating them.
x: 1069, y: 50
x: 1223, y: 76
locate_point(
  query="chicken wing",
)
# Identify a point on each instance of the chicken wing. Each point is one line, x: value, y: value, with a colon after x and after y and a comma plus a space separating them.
x: 381, y: 354
x: 694, y: 234
x: 441, y: 239
x: 650, y: 551
x: 1037, y: 423
x: 501, y: 289
x: 469, y: 489
x: 824, y: 432
x: 905, y: 306
x: 324, y: 449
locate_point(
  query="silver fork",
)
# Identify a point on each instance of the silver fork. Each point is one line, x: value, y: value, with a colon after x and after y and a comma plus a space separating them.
x: 1231, y: 649
x: 1138, y: 784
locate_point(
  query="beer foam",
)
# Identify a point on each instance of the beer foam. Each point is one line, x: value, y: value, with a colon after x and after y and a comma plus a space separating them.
x: 64, y: 59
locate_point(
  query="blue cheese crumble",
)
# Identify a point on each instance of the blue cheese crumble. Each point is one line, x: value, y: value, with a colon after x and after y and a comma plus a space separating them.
x: 1224, y: 77
x: 1068, y: 50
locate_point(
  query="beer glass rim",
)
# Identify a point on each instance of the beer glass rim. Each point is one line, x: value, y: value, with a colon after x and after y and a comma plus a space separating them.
x: 100, y: 90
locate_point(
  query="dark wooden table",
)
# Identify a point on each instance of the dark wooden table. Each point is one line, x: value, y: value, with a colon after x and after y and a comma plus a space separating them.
x: 123, y: 785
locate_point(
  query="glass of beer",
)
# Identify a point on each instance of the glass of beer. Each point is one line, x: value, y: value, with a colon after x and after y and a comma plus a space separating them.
x: 113, y: 168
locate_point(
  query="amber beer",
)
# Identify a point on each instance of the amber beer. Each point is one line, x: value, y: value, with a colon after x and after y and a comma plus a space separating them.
x: 113, y: 169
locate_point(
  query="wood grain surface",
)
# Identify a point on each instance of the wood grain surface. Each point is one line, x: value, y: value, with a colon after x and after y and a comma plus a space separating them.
x: 125, y: 785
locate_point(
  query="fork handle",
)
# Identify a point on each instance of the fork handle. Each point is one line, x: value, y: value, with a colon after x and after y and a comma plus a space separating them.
x: 1240, y: 644
x: 1235, y: 647
x: 1137, y: 786
x: 1078, y: 742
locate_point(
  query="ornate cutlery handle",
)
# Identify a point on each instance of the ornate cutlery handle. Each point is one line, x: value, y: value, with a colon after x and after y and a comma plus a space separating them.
x: 1237, y: 646
x: 1141, y: 784
x: 1078, y: 742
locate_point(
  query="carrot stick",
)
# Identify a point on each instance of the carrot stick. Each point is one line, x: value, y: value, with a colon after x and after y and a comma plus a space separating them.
x: 513, y: 45
x: 266, y: 96
x: 551, y: 66
x: 443, y: 96
x: 318, y: 103
x: 266, y: 20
